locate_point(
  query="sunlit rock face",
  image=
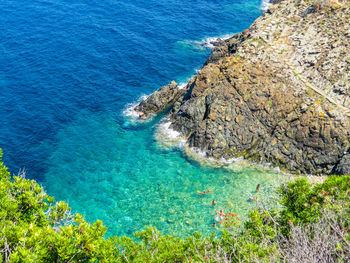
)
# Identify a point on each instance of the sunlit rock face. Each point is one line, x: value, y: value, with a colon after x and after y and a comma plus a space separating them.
x: 278, y: 92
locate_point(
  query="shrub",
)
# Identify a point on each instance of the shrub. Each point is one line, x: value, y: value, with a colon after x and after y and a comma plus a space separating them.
x: 312, y: 226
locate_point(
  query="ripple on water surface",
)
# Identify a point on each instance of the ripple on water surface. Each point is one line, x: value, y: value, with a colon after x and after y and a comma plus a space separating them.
x: 67, y: 67
x: 119, y: 174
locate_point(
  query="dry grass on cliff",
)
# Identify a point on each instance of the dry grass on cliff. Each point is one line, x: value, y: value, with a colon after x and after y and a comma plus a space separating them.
x: 320, y: 4
x: 324, y: 241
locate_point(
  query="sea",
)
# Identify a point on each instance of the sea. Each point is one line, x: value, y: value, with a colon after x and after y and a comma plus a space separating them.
x: 70, y: 72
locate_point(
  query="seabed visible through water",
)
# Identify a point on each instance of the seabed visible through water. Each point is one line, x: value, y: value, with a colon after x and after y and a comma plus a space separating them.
x: 132, y: 181
x: 67, y: 74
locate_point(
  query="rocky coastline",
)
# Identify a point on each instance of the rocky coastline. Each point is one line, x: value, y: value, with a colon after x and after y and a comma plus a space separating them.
x: 278, y: 92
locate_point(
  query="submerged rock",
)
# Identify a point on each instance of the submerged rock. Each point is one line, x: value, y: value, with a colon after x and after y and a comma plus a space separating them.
x: 159, y: 100
x: 278, y: 92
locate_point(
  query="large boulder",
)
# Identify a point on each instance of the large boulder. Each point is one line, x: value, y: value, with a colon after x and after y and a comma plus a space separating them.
x: 159, y: 100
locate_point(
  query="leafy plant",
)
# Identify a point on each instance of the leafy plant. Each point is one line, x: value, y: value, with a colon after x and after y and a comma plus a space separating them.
x: 312, y: 225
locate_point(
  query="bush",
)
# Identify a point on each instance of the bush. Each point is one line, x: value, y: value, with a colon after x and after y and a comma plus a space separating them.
x: 35, y: 229
x: 312, y: 226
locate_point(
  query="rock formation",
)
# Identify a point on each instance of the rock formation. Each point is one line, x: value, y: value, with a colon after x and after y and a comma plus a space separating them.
x: 278, y: 92
x: 343, y: 167
x: 159, y: 100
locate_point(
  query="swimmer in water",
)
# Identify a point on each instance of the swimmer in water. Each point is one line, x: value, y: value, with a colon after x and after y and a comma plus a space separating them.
x: 221, y: 213
x: 214, y: 202
x: 214, y: 224
x: 204, y: 192
x: 258, y: 187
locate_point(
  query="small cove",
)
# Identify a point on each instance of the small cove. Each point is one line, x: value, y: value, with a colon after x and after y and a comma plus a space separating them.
x: 70, y: 69
x: 123, y: 175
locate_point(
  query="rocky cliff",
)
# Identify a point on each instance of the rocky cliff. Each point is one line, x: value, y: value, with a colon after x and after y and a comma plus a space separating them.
x: 278, y: 92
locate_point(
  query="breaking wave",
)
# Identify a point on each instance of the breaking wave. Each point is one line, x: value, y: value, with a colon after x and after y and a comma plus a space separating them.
x: 265, y: 4
x: 130, y: 113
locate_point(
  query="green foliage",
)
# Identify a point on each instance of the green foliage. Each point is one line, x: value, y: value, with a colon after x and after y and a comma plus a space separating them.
x: 303, y: 203
x: 33, y: 228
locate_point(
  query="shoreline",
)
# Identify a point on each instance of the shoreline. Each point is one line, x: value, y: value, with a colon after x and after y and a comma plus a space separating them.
x: 170, y: 139
x: 250, y: 101
x: 207, y: 42
x: 174, y: 138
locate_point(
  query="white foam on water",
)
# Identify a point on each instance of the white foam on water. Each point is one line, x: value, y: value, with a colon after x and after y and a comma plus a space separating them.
x: 209, y: 42
x: 196, y: 152
x: 130, y: 112
x: 205, y: 43
x: 235, y: 164
x: 182, y: 85
x: 265, y: 4
x: 166, y: 130
x: 201, y: 156
x: 231, y: 160
x: 168, y: 137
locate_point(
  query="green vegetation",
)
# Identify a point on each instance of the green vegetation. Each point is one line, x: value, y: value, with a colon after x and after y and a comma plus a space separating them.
x: 312, y: 224
x: 259, y: 42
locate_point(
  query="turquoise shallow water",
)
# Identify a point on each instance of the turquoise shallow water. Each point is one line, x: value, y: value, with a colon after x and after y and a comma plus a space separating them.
x: 68, y: 71
x: 120, y: 173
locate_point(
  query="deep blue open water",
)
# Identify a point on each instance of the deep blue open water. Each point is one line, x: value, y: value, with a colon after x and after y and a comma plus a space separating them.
x: 68, y: 71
